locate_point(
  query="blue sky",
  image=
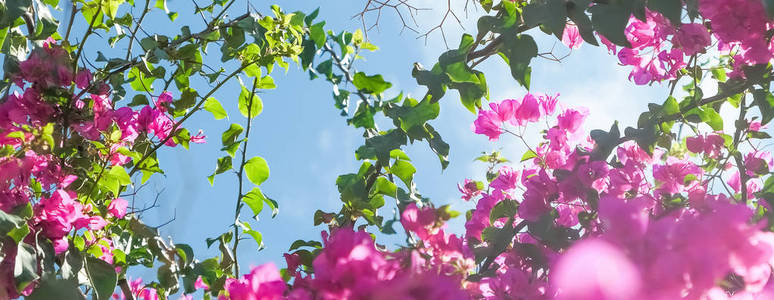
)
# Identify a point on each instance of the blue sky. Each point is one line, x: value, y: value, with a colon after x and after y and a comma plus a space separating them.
x: 307, y: 144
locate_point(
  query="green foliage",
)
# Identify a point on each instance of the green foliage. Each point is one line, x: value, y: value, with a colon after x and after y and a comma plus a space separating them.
x: 250, y: 105
x: 102, y: 277
x: 257, y: 170
x: 610, y: 20
x: 518, y: 53
x: 213, y: 106
x: 370, y: 84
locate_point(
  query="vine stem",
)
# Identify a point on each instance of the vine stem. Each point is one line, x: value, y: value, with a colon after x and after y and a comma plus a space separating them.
x: 89, y: 31
x: 134, y: 32
x: 70, y: 23
x: 743, y: 178
x: 126, y: 289
x: 240, y: 176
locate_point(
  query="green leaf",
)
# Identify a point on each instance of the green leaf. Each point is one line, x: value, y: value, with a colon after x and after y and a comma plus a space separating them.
x: 213, y: 106
x: 577, y: 14
x: 54, y: 288
x: 385, y: 187
x: 253, y: 70
x: 317, y: 33
x: 671, y: 9
x: 460, y: 72
x: 139, y: 99
x: 404, y: 170
x: 557, y: 17
x: 110, y: 7
x: 370, y: 84
x: 418, y: 115
x: 102, y: 277
x: 528, y: 155
x: 72, y: 265
x: 15, y: 8
x: 161, y: 4
x: 439, y: 146
x: 254, y: 234
x: 518, y: 52
x: 140, y: 81
x: 610, y: 20
x: 503, y: 209
x: 765, y: 102
x: 231, y: 134
x: 712, y: 118
x: 364, y: 116
x: 257, y: 170
x: 266, y: 83
x: 224, y: 164
x: 10, y: 222
x: 769, y: 4
x: 26, y: 266
x: 255, y: 199
x: 670, y: 106
x: 182, y: 137
x: 379, y: 146
x: 273, y: 205
x: 250, y: 105
x: 120, y: 174
x: 301, y: 243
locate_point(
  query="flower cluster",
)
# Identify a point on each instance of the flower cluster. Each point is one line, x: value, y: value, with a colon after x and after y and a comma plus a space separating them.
x: 644, y: 221
x: 516, y: 112
x: 351, y: 267
x: 659, y: 47
x: 53, y: 106
x: 633, y: 227
x: 741, y: 27
x: 652, y: 57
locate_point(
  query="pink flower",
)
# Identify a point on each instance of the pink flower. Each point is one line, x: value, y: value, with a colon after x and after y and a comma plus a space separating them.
x: 163, y: 100
x: 755, y: 126
x: 594, y: 269
x: 672, y: 175
x: 349, y: 266
x: 628, y: 56
x: 548, y: 103
x: 506, y: 180
x: 625, y: 221
x: 83, y: 78
x: 57, y: 214
x: 293, y: 261
x: 421, y: 286
x: 118, y: 207
x: 594, y: 175
x: 528, y: 111
x: 693, y: 38
x: 95, y: 223
x: 199, y: 284
x: 711, y: 145
x: 742, y: 23
x: 469, y: 189
x: 419, y: 221
x: 488, y: 123
x: 571, y: 37
x: 199, y: 138
x: 505, y: 109
x: 758, y: 162
x: 262, y: 283
x: 611, y: 48
x: 479, y: 219
x: 572, y: 119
